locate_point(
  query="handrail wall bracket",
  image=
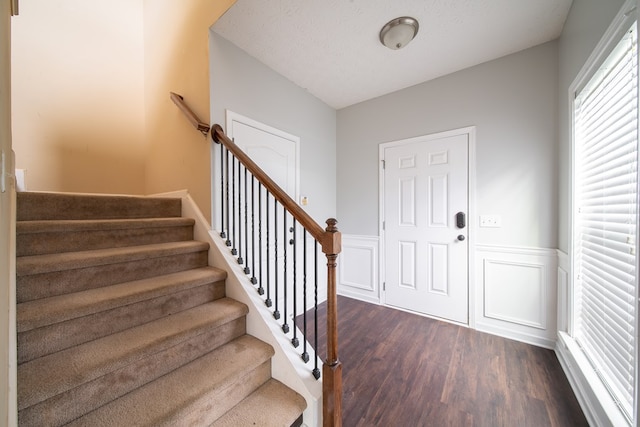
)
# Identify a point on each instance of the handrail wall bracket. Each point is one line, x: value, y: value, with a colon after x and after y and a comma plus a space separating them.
x: 191, y: 116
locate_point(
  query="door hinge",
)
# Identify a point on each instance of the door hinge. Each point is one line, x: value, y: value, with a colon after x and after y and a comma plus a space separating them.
x: 384, y: 225
x: 384, y: 286
x: 384, y: 164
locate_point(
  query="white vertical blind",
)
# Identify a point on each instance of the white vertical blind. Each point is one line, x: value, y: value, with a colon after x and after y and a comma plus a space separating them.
x: 606, y: 185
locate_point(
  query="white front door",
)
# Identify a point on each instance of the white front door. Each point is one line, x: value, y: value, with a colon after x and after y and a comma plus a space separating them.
x: 425, y: 214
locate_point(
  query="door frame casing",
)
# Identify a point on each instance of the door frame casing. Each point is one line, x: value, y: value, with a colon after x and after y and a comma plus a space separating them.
x: 470, y: 131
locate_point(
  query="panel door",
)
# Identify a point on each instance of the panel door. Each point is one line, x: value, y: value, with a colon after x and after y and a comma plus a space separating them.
x: 273, y: 152
x: 426, y: 248
x: 276, y: 153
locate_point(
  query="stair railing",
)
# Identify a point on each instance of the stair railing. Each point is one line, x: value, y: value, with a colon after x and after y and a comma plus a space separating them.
x: 254, y: 213
x: 241, y: 181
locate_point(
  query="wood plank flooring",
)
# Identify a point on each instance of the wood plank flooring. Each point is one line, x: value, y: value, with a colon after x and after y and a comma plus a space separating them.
x: 401, y: 369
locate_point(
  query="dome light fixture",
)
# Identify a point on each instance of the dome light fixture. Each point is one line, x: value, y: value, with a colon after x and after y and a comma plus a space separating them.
x: 398, y: 32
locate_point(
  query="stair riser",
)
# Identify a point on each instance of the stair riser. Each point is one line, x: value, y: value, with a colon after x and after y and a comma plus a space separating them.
x: 211, y: 406
x: 49, y: 339
x: 58, y: 242
x: 48, y: 206
x: 45, y: 285
x: 67, y: 406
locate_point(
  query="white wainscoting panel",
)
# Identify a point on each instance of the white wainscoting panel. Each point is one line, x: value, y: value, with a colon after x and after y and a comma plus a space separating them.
x: 358, y: 268
x: 517, y: 293
x: 506, y: 282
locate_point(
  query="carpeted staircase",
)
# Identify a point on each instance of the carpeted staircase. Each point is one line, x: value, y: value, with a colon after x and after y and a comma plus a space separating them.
x: 121, y: 322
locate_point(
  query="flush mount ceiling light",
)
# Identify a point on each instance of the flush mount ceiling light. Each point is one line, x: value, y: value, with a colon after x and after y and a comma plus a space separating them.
x: 398, y: 32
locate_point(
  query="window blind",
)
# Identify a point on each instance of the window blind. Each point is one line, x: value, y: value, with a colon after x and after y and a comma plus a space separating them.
x: 606, y: 185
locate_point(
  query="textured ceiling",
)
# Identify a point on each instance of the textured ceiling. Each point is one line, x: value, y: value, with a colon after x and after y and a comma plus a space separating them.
x: 332, y: 49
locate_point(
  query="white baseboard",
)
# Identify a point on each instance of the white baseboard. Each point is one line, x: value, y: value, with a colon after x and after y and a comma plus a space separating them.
x: 515, y: 334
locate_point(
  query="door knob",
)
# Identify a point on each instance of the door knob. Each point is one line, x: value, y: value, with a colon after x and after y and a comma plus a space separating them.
x: 460, y: 237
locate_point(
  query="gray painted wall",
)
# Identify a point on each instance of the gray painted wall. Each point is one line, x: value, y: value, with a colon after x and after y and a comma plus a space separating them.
x: 587, y: 22
x: 519, y: 104
x: 512, y: 101
x: 245, y: 86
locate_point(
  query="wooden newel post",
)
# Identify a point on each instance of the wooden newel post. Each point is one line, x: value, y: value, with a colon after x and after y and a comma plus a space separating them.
x: 332, y: 368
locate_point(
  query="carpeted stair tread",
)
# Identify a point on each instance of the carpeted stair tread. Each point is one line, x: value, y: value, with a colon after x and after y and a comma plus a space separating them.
x: 67, y: 406
x: 195, y: 394
x: 36, y: 286
x: 42, y: 237
x: 46, y: 311
x: 42, y: 226
x: 59, y: 336
x: 272, y: 405
x: 47, y: 376
x: 44, y: 206
x: 38, y: 264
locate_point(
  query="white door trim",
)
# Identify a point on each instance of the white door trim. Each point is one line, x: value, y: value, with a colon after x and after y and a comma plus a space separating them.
x: 471, y: 214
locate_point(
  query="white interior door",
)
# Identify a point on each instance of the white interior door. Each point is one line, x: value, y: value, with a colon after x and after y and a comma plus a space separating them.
x: 426, y: 248
x: 276, y: 152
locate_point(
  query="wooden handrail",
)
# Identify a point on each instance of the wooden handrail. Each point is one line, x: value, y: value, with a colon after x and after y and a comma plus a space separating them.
x: 327, y: 241
x: 331, y: 243
x: 191, y: 116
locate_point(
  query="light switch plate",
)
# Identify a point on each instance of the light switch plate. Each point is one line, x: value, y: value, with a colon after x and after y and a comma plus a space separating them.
x: 21, y: 184
x: 494, y: 221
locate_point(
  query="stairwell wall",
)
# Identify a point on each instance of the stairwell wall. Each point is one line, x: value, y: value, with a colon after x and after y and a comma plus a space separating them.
x: 176, y: 60
x: 78, y: 104
x: 91, y: 108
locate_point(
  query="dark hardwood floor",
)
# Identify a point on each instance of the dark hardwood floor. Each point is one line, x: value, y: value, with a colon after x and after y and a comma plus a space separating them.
x: 401, y: 369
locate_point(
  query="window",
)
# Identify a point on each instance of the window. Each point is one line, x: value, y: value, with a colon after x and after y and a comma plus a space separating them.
x: 605, y: 264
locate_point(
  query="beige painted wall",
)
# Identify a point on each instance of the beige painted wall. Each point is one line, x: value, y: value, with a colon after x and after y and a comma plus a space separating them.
x: 78, y: 97
x: 177, y: 60
x: 7, y: 232
x: 91, y: 95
